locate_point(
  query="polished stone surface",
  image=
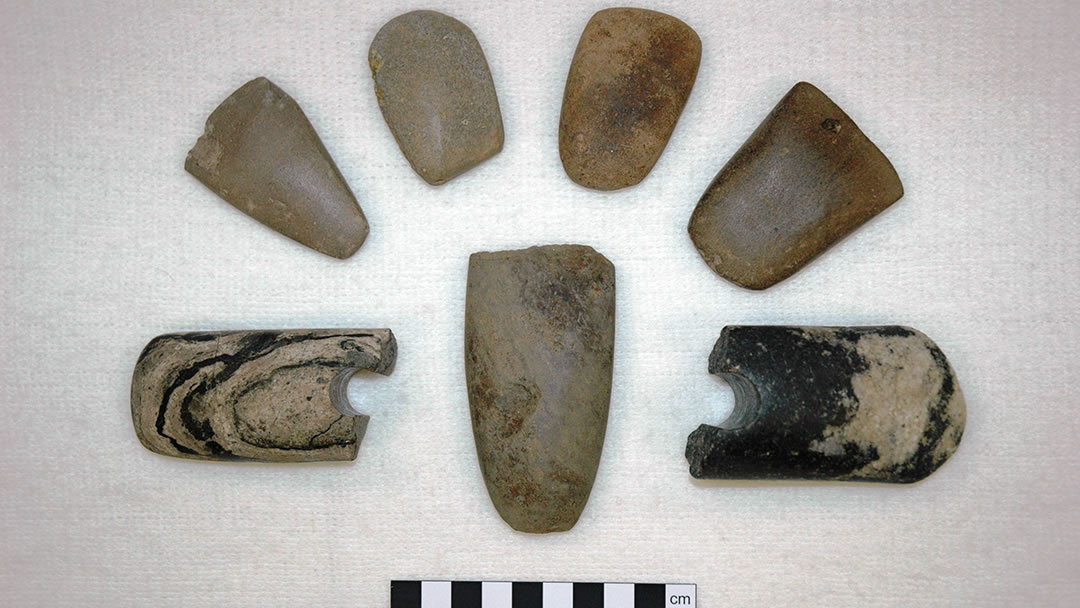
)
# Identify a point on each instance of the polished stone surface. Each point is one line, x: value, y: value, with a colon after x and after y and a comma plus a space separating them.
x: 436, y: 93
x: 830, y: 403
x: 261, y: 154
x: 629, y: 80
x: 539, y: 341
x: 805, y: 179
x: 276, y: 396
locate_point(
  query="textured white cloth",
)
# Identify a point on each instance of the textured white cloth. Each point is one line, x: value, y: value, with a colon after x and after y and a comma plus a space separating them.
x: 107, y: 242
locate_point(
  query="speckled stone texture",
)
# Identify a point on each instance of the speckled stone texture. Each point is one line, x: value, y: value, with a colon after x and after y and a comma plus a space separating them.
x: 275, y: 396
x: 261, y: 154
x: 629, y: 80
x: 806, y: 178
x: 539, y: 338
x: 830, y: 403
x: 436, y: 93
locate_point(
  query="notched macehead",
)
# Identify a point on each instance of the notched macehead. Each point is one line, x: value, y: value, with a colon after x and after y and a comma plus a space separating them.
x: 831, y: 403
x: 276, y: 396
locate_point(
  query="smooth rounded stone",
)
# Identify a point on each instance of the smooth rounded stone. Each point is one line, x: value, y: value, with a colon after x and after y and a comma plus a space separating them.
x: 629, y: 80
x: 830, y: 403
x: 436, y: 94
x: 805, y: 179
x: 539, y: 339
x: 276, y: 396
x: 261, y: 154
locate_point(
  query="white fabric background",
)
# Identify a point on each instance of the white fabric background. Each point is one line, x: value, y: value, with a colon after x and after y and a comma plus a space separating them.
x: 107, y: 242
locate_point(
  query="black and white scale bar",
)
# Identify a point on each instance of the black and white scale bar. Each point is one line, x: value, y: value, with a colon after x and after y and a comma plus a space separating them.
x: 487, y: 594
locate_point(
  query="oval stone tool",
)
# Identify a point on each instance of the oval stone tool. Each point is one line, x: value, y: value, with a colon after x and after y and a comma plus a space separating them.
x: 806, y: 178
x: 630, y: 77
x: 830, y: 403
x: 436, y: 93
x: 539, y: 340
x: 260, y: 153
x: 276, y: 396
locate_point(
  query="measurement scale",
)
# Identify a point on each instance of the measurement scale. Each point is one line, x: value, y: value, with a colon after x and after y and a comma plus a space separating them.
x: 500, y: 594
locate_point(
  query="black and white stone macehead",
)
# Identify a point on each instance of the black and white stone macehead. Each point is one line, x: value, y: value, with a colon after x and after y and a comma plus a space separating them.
x: 830, y: 403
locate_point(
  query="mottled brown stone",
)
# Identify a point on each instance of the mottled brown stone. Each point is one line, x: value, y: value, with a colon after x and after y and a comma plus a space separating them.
x: 629, y: 80
x: 436, y: 93
x: 806, y: 178
x: 276, y: 396
x: 261, y: 154
x: 539, y: 339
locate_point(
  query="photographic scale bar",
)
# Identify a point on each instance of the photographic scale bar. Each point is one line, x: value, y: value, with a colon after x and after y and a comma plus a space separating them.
x: 487, y: 594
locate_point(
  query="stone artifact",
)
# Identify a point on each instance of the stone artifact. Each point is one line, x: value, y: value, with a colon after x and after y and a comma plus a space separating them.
x: 436, y: 94
x: 830, y: 403
x: 629, y: 80
x: 260, y: 153
x: 255, y: 395
x: 539, y: 337
x: 806, y: 178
